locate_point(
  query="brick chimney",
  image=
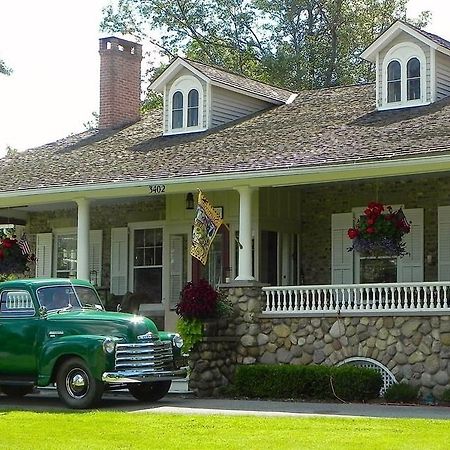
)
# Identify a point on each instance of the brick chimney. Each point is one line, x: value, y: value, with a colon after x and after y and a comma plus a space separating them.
x: 120, y: 82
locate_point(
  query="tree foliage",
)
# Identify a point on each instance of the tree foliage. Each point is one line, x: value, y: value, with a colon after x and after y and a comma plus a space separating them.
x: 4, y: 69
x: 294, y: 43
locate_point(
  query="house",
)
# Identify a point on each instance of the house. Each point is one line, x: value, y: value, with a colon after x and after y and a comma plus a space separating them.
x: 289, y: 172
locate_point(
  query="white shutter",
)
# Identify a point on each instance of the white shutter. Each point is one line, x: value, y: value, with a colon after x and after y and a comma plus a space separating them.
x: 176, y: 269
x: 341, y: 258
x: 95, y: 256
x: 444, y: 243
x: 410, y: 266
x: 44, y: 245
x: 119, y: 261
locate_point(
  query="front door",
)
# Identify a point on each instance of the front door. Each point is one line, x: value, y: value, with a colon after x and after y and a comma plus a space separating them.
x: 19, y: 333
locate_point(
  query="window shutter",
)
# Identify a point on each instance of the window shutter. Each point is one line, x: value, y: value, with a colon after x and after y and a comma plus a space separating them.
x: 119, y: 261
x: 44, y: 246
x: 95, y: 255
x: 341, y: 258
x: 444, y: 243
x: 176, y: 269
x: 410, y: 266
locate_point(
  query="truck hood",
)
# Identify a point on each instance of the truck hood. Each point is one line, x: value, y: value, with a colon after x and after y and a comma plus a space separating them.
x: 101, y: 323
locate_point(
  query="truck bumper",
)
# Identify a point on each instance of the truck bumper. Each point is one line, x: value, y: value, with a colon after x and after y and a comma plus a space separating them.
x: 135, y: 376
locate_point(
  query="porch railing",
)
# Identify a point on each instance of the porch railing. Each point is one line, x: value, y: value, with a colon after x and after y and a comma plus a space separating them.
x: 359, y: 299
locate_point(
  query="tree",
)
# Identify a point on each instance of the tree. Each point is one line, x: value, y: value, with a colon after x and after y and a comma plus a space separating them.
x: 4, y: 69
x: 294, y: 43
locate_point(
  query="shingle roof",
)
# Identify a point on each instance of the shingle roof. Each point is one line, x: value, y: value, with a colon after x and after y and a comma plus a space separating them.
x: 433, y: 37
x: 320, y: 128
x: 240, y: 82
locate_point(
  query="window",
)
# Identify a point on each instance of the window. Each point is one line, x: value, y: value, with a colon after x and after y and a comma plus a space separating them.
x: 66, y: 255
x: 18, y: 303
x: 413, y: 81
x: 192, y: 118
x: 394, y: 82
x: 403, y: 78
x: 147, y: 270
x: 177, y: 110
x: 185, y: 113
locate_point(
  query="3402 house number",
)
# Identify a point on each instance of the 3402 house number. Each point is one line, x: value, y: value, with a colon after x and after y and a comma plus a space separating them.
x: 157, y: 189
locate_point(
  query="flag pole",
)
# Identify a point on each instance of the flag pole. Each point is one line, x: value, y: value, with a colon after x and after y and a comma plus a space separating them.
x: 235, y: 238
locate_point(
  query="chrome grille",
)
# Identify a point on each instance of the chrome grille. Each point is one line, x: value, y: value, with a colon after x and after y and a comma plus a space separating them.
x: 156, y: 355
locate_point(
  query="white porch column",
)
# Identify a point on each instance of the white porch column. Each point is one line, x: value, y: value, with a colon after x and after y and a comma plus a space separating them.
x: 83, y: 239
x: 245, y: 233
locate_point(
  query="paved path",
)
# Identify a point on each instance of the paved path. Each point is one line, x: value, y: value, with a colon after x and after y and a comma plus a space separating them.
x: 182, y: 403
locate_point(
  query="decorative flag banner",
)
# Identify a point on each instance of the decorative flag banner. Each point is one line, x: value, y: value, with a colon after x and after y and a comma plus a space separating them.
x: 24, y: 245
x: 206, y: 224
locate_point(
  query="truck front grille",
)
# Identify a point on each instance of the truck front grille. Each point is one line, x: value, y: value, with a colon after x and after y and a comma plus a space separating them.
x: 149, y: 356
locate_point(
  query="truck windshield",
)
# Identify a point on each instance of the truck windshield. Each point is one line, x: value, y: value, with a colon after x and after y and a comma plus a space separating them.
x: 60, y: 297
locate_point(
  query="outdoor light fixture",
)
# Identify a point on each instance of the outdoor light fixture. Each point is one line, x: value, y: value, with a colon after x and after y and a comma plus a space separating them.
x: 190, y: 200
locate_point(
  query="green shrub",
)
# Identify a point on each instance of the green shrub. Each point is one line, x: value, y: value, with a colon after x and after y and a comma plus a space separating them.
x: 446, y: 395
x: 401, y: 393
x: 311, y: 382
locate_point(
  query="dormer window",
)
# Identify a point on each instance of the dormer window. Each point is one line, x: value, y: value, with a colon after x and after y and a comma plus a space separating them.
x: 413, y: 81
x: 394, y: 80
x: 403, y: 79
x: 185, y: 113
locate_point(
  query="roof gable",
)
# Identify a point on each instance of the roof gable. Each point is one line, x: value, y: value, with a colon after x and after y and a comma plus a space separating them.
x: 394, y: 30
x: 226, y: 80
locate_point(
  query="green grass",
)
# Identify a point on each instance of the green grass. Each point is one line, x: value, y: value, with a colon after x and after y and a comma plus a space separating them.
x: 118, y: 430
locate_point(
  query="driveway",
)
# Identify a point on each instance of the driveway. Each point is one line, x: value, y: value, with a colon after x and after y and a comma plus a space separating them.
x: 184, y: 403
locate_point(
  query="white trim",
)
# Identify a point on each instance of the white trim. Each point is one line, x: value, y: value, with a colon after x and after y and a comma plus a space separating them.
x: 185, y: 84
x: 403, y: 53
x: 433, y: 88
x: 291, y: 98
x: 377, y: 81
x: 392, y: 32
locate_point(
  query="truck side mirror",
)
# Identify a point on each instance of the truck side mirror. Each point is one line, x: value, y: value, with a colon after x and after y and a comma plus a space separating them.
x: 43, y: 312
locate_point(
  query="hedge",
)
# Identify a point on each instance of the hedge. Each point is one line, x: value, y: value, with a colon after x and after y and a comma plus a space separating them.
x: 307, y: 382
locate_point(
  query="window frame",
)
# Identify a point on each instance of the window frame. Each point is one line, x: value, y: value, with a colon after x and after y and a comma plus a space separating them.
x: 57, y: 233
x: 185, y: 84
x: 403, y: 53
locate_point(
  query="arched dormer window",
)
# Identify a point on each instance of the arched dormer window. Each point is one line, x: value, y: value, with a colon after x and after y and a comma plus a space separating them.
x: 185, y: 109
x: 403, y: 77
x: 413, y: 81
x: 177, y: 110
x: 192, y: 112
x: 394, y: 82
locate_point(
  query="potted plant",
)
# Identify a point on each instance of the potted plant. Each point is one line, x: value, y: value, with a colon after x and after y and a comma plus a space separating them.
x: 199, y: 304
x: 379, y: 231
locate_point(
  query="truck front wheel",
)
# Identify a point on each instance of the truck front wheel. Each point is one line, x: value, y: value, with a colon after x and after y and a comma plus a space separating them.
x: 77, y: 387
x: 149, y: 392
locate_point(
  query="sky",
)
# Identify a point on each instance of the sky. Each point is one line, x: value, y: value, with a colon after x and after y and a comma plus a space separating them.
x: 52, y: 46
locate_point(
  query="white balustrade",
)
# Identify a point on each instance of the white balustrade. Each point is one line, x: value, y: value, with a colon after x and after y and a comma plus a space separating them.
x: 359, y: 299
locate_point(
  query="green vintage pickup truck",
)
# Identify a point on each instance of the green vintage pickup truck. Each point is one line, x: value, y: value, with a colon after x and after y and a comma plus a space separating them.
x: 57, y: 331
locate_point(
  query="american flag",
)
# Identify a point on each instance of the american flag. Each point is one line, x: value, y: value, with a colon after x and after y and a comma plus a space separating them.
x: 24, y: 245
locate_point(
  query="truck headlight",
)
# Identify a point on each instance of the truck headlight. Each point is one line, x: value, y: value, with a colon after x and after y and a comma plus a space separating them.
x: 177, y: 341
x: 109, y: 345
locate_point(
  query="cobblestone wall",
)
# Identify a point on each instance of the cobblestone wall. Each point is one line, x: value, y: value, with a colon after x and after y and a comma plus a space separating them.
x: 415, y: 349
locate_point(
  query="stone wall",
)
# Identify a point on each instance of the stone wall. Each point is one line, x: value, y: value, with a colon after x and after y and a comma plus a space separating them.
x: 415, y: 349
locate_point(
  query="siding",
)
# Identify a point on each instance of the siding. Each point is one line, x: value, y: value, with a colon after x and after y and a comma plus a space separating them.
x: 442, y: 76
x: 227, y: 106
x: 404, y: 37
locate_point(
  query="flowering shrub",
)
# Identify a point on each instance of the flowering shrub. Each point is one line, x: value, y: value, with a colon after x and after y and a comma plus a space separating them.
x: 198, y: 301
x: 12, y: 256
x: 380, y: 231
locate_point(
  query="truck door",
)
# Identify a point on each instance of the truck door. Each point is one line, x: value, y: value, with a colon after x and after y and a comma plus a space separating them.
x: 19, y: 325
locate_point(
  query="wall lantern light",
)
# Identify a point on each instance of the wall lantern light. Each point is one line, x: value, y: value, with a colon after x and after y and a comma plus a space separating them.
x: 190, y: 200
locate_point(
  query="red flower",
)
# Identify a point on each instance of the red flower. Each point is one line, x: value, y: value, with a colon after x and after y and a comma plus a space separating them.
x: 352, y: 233
x: 8, y: 243
x: 370, y: 230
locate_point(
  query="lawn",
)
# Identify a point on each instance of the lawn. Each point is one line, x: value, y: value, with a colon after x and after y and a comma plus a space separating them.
x: 118, y: 430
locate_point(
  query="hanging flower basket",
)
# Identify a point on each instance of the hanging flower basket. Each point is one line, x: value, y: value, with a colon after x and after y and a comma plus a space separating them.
x: 14, y: 255
x: 380, y: 231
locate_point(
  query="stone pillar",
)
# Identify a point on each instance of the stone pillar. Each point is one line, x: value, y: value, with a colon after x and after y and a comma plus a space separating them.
x: 83, y: 239
x: 245, y: 233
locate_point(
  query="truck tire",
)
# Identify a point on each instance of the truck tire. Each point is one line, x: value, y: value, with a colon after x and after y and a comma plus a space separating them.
x: 76, y: 386
x: 149, y: 392
x: 16, y: 391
